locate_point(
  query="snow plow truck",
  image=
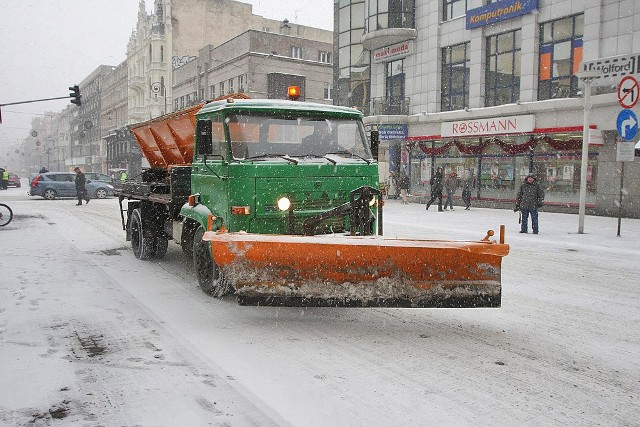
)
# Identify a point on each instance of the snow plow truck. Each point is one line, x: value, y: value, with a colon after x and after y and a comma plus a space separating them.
x: 277, y: 202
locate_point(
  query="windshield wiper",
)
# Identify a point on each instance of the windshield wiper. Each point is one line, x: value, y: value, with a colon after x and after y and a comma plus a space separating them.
x: 266, y: 156
x: 350, y: 154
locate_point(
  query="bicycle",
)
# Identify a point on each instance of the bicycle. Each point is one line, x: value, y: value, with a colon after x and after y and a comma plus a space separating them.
x: 6, y: 214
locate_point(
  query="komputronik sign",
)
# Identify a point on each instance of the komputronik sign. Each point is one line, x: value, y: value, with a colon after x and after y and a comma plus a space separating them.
x: 499, y: 11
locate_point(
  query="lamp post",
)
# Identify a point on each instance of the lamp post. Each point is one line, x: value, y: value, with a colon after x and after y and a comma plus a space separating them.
x: 587, y: 78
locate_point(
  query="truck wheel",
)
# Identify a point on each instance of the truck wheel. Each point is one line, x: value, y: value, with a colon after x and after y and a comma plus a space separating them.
x: 143, y: 247
x: 210, y: 277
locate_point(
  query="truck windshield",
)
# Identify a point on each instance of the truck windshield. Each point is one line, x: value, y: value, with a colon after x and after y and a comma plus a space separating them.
x: 260, y: 136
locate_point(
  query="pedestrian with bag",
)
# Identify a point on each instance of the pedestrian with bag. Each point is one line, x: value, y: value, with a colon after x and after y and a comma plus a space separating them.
x: 436, y: 189
x: 81, y: 186
x: 530, y: 198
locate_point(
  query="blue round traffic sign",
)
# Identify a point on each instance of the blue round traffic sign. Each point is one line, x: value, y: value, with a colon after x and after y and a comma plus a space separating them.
x: 627, y: 125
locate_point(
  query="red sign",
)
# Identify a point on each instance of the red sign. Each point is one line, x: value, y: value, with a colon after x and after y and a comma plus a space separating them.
x: 628, y: 92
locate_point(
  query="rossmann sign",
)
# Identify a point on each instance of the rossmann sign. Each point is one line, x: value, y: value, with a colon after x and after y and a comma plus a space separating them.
x: 490, y: 126
x: 499, y: 11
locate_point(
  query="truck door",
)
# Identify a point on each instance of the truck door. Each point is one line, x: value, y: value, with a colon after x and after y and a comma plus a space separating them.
x: 209, y: 168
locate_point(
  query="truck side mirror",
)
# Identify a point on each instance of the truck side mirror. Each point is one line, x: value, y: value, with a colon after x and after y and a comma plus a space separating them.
x: 375, y: 143
x: 204, y: 144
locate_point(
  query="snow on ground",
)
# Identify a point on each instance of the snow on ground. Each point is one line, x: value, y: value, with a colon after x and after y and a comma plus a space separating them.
x: 89, y: 335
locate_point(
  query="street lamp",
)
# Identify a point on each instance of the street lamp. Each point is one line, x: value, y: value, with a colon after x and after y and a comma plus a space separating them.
x: 586, y: 77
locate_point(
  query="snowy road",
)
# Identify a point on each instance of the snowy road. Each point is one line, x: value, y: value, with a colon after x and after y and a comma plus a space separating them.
x: 93, y: 336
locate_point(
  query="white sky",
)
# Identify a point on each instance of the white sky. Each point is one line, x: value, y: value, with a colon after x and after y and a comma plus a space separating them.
x: 47, y: 46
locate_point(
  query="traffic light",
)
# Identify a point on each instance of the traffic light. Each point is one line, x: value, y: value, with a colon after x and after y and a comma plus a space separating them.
x: 75, y: 95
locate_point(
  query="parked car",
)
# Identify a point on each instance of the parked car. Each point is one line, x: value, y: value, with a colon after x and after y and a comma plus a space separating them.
x: 94, y: 176
x: 62, y: 184
x: 14, y: 181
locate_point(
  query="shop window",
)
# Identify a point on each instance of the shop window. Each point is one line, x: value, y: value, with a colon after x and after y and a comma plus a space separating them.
x: 453, y: 9
x: 560, y: 57
x: 502, y: 84
x: 455, y: 77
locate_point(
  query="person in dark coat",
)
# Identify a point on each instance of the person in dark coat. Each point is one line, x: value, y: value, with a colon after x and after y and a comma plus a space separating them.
x: 466, y: 194
x: 404, y: 188
x: 436, y: 189
x: 530, y: 198
x: 451, y: 186
x: 81, y: 186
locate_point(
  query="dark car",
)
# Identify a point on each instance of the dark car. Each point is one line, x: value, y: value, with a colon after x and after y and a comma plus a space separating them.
x: 14, y: 181
x: 62, y: 184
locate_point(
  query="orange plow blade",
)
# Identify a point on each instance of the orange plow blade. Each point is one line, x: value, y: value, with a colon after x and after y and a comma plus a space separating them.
x: 359, y: 271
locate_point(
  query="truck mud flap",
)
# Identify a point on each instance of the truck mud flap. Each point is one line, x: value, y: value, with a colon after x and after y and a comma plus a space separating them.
x: 358, y: 271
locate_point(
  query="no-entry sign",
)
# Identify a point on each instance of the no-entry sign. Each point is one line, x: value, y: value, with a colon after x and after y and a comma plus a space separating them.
x: 628, y: 92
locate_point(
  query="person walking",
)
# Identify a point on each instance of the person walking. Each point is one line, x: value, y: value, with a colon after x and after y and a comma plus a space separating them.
x: 5, y: 179
x: 436, y: 189
x: 530, y: 198
x: 451, y: 186
x: 466, y: 194
x: 404, y: 188
x: 81, y: 186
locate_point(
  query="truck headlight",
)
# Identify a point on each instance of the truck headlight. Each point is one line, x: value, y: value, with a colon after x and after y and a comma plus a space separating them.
x: 284, y: 203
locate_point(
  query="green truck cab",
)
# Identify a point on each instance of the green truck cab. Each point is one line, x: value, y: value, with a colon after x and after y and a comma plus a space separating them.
x: 249, y: 165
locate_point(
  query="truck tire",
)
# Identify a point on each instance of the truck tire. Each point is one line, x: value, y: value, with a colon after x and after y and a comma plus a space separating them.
x: 210, y: 278
x: 143, y: 247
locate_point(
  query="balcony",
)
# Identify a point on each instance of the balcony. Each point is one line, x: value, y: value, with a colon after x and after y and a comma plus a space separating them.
x: 390, y: 27
x: 394, y: 106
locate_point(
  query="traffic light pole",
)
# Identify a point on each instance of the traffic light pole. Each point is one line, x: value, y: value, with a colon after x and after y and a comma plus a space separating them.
x: 36, y: 100
x: 75, y: 95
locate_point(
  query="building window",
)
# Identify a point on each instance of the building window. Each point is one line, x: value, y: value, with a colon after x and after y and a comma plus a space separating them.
x: 455, y: 77
x: 453, y: 9
x: 222, y: 92
x: 353, y: 61
x: 296, y: 52
x: 161, y: 53
x: 394, y: 86
x: 241, y: 80
x: 212, y: 90
x: 201, y: 94
x: 560, y: 57
x: 231, y: 86
x: 328, y: 89
x: 385, y: 14
x: 324, y: 57
x: 502, y: 84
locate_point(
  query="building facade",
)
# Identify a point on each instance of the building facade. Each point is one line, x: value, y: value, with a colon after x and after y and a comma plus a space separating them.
x: 87, y: 148
x: 259, y: 64
x: 490, y: 90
